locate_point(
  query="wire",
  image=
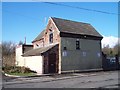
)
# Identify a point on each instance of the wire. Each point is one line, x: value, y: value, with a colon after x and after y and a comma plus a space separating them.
x: 61, y: 5
x: 81, y: 8
x: 26, y: 16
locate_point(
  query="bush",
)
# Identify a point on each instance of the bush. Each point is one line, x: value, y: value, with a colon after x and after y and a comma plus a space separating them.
x: 25, y: 70
x: 16, y: 69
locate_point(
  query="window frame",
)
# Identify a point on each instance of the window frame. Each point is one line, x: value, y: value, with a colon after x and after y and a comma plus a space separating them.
x: 77, y: 45
x: 51, y: 37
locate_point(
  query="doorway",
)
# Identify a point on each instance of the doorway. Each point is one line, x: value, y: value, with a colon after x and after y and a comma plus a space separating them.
x: 52, y: 63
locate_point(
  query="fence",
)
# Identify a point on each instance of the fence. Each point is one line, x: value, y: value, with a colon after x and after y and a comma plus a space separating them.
x: 110, y: 63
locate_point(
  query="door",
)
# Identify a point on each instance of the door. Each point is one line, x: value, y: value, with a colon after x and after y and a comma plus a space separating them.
x: 52, y: 63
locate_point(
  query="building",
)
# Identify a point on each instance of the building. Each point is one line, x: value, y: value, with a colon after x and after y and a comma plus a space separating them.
x: 65, y: 46
x: 20, y: 50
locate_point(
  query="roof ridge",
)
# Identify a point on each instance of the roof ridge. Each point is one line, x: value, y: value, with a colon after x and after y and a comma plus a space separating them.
x: 69, y: 20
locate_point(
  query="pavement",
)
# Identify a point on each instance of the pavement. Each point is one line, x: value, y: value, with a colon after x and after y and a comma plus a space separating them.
x: 72, y: 80
x: 48, y: 78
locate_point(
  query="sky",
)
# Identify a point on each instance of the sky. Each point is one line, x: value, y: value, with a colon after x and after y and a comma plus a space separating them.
x: 28, y: 19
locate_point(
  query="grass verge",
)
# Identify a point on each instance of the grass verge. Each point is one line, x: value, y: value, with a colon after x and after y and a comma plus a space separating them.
x: 22, y: 74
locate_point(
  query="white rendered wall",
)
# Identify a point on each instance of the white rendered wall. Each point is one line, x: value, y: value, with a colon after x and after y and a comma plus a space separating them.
x: 35, y: 63
x: 19, y: 58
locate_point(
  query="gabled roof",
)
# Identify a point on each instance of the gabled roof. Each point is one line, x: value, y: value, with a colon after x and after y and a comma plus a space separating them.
x: 72, y: 27
x: 38, y: 51
x: 68, y: 26
x: 40, y: 36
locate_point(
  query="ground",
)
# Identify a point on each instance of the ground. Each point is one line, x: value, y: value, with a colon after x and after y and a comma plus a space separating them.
x: 102, y: 79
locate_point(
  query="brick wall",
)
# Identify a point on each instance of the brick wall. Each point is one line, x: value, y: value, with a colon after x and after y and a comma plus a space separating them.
x: 45, y: 41
x: 40, y: 43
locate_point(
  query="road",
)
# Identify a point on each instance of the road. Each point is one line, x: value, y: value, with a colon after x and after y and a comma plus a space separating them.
x: 107, y: 79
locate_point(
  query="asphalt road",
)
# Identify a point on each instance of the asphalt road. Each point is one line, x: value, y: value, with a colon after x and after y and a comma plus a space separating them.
x: 76, y: 80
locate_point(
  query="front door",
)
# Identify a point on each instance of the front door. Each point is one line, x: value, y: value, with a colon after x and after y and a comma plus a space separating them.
x: 52, y: 63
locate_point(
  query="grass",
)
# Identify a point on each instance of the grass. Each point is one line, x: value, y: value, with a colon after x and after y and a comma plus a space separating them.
x: 22, y: 74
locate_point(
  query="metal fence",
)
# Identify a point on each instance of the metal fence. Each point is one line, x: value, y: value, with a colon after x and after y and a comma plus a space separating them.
x: 110, y: 63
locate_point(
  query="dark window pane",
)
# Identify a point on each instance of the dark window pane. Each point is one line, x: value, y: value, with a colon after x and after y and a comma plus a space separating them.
x: 51, y: 38
x: 77, y: 45
x: 65, y: 48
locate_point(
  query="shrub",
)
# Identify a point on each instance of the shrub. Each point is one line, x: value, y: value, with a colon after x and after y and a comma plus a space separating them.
x: 25, y: 70
x: 16, y: 69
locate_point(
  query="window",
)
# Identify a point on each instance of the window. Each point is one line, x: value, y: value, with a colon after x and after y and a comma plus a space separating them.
x: 50, y: 30
x: 64, y: 48
x: 98, y: 54
x: 51, y: 37
x: 77, y: 45
x: 64, y: 53
x: 84, y: 54
x: 37, y: 45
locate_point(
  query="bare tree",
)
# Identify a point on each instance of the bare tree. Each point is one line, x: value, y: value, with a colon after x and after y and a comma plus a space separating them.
x: 111, y: 51
x: 8, y: 53
x: 20, y: 43
x: 8, y: 48
x: 106, y: 50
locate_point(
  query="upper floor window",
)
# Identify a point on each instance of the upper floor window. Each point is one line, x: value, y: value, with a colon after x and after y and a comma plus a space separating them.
x: 37, y: 45
x: 77, y: 44
x: 65, y: 48
x: 51, y: 37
